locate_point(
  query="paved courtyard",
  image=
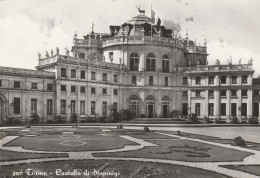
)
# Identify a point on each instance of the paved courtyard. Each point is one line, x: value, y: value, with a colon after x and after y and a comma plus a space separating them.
x: 111, y: 152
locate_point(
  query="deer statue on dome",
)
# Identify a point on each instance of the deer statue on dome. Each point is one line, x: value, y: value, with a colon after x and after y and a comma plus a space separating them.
x: 141, y: 11
x: 250, y: 61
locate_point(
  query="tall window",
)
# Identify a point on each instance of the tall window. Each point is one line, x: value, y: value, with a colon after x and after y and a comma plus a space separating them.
x: 244, y: 79
x: 49, y: 87
x: 73, y: 88
x: 234, y: 79
x: 223, y: 109
x: 198, y: 79
x: 82, y: 74
x: 185, y: 81
x: 93, y: 90
x: 211, y: 93
x: 233, y: 109
x: 184, y: 94
x: 73, y: 106
x: 233, y: 92
x: 63, y: 106
x: 211, y: 109
x: 1, y: 83
x: 49, y: 106
x: 17, y: 84
x: 82, y: 107
x: 34, y: 85
x: 223, y: 92
x: 244, y: 109
x: 63, y: 72
x: 223, y: 79
x: 115, y: 78
x: 115, y: 92
x: 104, y: 77
x: 73, y: 73
x: 150, y: 62
x: 197, y: 109
x: 82, y: 55
x: 134, y: 79
x: 104, y: 91
x: 134, y: 62
x: 93, y: 107
x: 34, y: 106
x: 165, y: 81
x: 16, y: 105
x: 244, y: 92
x: 111, y: 56
x: 134, y: 106
x: 82, y: 89
x: 104, y: 108
x: 211, y: 80
x: 197, y: 93
x: 150, y: 80
x: 93, y: 75
x: 63, y: 88
x: 165, y: 64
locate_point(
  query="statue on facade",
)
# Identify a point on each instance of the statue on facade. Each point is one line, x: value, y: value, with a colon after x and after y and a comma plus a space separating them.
x: 104, y: 59
x: 240, y: 61
x: 67, y: 52
x: 75, y: 35
x: 143, y: 31
x: 206, y: 62
x: 120, y: 60
x: 198, y: 62
x: 57, y: 50
x: 47, y: 54
x: 39, y: 55
x: 116, y: 33
x: 100, y: 36
x: 250, y: 61
x: 159, y: 33
x: 51, y: 52
x: 229, y: 61
x: 217, y: 62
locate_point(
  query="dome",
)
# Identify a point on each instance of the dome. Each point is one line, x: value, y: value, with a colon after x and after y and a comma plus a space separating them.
x: 139, y: 19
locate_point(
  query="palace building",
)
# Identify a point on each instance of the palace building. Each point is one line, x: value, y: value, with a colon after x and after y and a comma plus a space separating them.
x: 140, y: 66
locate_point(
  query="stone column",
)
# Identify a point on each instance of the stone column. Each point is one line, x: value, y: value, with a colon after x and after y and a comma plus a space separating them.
x: 239, y: 105
x: 217, y: 104
x: 189, y: 102
x: 249, y: 103
x: 206, y: 112
x: 142, y: 62
x: 228, y: 105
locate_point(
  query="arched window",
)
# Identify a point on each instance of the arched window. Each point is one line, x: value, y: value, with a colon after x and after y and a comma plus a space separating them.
x: 150, y: 62
x: 150, y: 98
x: 134, y: 62
x: 165, y: 64
x: 134, y: 105
x: 165, y: 98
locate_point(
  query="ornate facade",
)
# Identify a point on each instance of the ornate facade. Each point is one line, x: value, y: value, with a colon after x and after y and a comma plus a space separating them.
x: 140, y: 66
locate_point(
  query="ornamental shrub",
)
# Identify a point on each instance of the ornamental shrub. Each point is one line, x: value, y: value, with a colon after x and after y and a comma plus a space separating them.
x: 146, y: 129
x: 239, y: 141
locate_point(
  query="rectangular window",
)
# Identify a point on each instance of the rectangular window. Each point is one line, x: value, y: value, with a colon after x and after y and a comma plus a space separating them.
x: 234, y: 79
x: 82, y: 74
x: 134, y: 79
x: 73, y: 73
x: 211, y: 80
x: 49, y: 106
x: 211, y: 109
x: 223, y: 79
x: 244, y: 78
x: 115, y: 78
x: 111, y: 56
x: 104, y: 91
x: 93, y: 75
x: 185, y: 81
x: 223, y: 109
x: 150, y: 80
x: 16, y: 105
x: 233, y: 109
x: 115, y: 91
x: 184, y: 94
x: 198, y: 80
x: 49, y: 87
x: 63, y: 72
x: 63, y: 106
x: 33, y: 106
x: 63, y: 88
x: 73, y: 88
x: 82, y: 90
x: 82, y: 55
x: 104, y: 77
x: 34, y: 85
x: 233, y: 92
x: 223, y: 93
x: 197, y: 109
x: 1, y: 83
x: 197, y: 93
x: 82, y: 107
x: 73, y: 106
x: 256, y: 92
x: 244, y: 92
x: 93, y: 107
x: 211, y: 93
x: 17, y: 84
x: 256, y: 109
x: 114, y: 107
x: 244, y: 109
x: 104, y: 108
x: 165, y: 81
x: 93, y: 90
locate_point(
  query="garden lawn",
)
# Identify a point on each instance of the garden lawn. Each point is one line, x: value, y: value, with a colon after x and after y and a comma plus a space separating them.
x: 182, y: 150
x: 251, y: 169
x: 124, y: 169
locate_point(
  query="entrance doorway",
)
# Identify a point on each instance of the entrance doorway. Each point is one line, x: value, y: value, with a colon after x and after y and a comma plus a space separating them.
x: 165, y: 106
x: 150, y: 103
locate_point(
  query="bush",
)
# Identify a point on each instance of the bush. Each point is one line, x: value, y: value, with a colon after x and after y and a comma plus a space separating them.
x: 73, y: 118
x: 175, y: 114
x: 34, y: 119
x: 234, y: 120
x: 59, y: 119
x: 252, y: 120
x: 146, y: 129
x: 194, y: 119
x: 239, y: 141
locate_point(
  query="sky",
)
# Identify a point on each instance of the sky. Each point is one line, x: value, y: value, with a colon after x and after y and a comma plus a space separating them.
x: 27, y: 27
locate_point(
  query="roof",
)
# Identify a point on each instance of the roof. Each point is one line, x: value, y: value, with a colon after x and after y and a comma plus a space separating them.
x: 139, y: 19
